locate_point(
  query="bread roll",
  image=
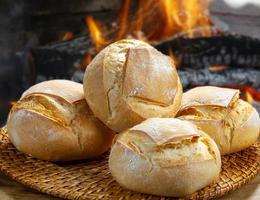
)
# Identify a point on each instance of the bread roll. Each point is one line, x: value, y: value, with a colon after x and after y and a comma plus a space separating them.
x: 233, y: 123
x: 52, y: 121
x: 130, y: 81
x: 164, y: 156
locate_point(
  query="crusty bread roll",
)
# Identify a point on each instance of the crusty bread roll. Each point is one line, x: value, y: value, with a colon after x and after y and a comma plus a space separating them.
x: 233, y: 123
x: 164, y: 156
x: 130, y: 81
x: 52, y: 121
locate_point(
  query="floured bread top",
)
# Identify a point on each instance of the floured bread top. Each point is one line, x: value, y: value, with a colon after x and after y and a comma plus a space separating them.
x: 231, y: 118
x: 231, y: 110
x: 168, y: 142
x: 134, y: 69
x: 68, y: 90
x: 59, y: 100
x: 162, y: 130
x: 52, y: 107
x: 149, y: 76
x: 209, y: 95
x: 220, y: 120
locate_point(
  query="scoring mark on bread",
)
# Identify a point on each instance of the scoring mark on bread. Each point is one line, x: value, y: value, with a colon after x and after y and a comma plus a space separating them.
x: 56, y: 109
x: 210, y: 149
x: 136, y: 148
x: 177, y: 144
x: 182, y: 150
x: 43, y: 105
x: 76, y: 131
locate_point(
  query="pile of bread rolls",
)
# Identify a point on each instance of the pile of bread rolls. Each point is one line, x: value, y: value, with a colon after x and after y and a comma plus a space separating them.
x: 132, y: 88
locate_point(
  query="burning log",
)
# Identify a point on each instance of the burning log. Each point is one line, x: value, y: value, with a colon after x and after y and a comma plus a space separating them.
x: 130, y: 23
x: 60, y: 59
x: 230, y: 50
x: 195, y: 77
x: 197, y: 59
x: 227, y: 77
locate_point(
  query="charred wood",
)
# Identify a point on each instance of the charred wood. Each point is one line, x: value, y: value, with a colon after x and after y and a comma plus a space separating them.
x: 194, y: 77
x: 199, y: 53
x: 231, y: 50
x: 240, y: 54
x: 227, y: 77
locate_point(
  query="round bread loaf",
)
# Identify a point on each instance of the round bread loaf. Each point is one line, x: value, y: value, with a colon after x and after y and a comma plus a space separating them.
x: 164, y: 156
x: 52, y: 121
x: 233, y: 123
x: 130, y: 81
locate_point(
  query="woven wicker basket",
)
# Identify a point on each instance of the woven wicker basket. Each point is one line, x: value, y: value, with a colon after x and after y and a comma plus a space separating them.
x: 92, y: 179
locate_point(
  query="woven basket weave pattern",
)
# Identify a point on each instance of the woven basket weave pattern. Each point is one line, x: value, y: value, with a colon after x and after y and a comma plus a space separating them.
x: 92, y: 179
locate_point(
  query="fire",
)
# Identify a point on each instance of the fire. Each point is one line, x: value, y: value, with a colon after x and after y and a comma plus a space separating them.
x: 95, y: 32
x: 251, y: 93
x: 123, y: 20
x: 155, y: 20
x: 172, y: 20
x: 249, y: 97
x: 248, y: 93
x: 195, y: 16
x: 143, y: 7
x: 68, y: 36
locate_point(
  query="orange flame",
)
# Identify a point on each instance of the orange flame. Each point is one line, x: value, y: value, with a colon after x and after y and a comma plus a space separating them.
x: 171, y: 11
x: 193, y: 11
x: 251, y: 93
x: 248, y: 93
x: 123, y: 20
x: 190, y: 17
x: 68, y: 36
x: 95, y: 32
x: 139, y: 19
x: 249, y: 97
x: 171, y: 16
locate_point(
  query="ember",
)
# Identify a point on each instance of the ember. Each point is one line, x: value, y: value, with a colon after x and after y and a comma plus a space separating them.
x: 217, y: 68
x: 68, y: 36
x: 248, y: 93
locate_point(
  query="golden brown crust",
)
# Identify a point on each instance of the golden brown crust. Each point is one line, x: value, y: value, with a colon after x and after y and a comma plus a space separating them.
x: 53, y: 127
x: 209, y: 95
x: 147, y: 158
x: 172, y: 130
x: 144, y: 67
x: 233, y: 125
x: 131, y: 81
x: 54, y: 108
x: 94, y: 89
x: 68, y: 90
